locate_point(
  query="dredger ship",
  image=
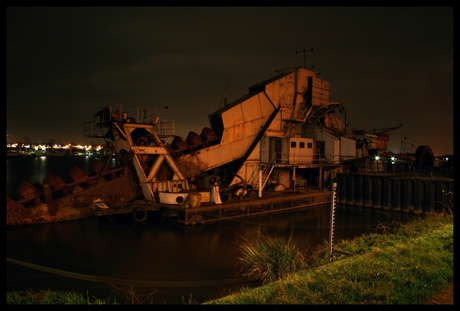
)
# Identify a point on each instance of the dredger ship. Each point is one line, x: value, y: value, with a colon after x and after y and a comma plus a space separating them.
x: 278, y: 147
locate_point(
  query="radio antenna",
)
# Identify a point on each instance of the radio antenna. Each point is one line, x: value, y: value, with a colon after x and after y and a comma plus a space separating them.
x: 304, y: 56
x: 224, y: 96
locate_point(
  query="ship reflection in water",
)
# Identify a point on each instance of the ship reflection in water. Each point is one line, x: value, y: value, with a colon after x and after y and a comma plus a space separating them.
x: 174, y: 262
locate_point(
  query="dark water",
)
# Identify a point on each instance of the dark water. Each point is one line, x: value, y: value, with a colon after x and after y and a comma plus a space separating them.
x: 35, y: 169
x: 174, y: 262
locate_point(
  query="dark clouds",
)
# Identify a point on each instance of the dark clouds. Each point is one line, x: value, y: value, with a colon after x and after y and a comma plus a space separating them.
x: 386, y: 65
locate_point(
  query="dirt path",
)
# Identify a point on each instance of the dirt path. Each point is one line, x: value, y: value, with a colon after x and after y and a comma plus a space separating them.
x: 444, y: 297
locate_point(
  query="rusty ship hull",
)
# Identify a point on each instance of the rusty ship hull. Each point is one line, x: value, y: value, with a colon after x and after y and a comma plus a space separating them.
x: 56, y: 201
x: 285, y: 134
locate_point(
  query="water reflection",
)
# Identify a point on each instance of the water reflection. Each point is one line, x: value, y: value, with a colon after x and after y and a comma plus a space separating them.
x: 162, y: 256
x: 35, y: 169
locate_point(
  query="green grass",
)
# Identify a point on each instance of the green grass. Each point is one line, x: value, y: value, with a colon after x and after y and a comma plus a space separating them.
x: 269, y: 258
x: 49, y: 297
x: 405, y: 266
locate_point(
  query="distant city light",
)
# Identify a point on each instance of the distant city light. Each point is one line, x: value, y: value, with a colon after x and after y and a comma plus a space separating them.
x: 42, y: 149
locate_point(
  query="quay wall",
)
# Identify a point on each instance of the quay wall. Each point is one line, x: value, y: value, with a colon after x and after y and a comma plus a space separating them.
x: 411, y: 194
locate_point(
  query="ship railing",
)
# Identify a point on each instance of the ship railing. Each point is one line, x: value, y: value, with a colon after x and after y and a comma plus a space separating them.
x: 104, y: 116
x: 165, y: 128
x: 134, y: 114
x: 93, y: 130
x: 280, y: 159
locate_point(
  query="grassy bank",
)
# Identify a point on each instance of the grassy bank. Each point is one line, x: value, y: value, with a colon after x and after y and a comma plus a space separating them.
x: 405, y: 266
x: 402, y: 264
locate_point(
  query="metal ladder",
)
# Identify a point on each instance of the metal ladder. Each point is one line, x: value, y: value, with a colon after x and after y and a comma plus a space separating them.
x: 267, y: 171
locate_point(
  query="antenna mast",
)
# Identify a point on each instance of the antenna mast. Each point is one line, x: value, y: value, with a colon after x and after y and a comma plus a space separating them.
x: 304, y: 56
x: 224, y: 98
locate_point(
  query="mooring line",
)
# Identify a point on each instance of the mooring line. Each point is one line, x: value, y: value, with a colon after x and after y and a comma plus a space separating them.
x: 102, y: 279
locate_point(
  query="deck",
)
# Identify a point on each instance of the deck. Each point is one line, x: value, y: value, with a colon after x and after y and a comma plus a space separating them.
x: 138, y: 208
x: 271, y: 202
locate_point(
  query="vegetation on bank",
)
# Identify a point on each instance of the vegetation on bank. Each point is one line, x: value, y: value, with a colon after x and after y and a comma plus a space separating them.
x: 408, y: 266
x: 269, y: 258
x: 400, y: 264
x: 49, y: 297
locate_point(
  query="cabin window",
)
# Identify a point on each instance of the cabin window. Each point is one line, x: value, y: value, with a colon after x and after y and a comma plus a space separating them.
x: 302, y: 144
x: 293, y: 144
x: 310, y: 145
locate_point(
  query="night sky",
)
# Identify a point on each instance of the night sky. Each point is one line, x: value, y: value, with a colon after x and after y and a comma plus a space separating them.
x: 387, y: 65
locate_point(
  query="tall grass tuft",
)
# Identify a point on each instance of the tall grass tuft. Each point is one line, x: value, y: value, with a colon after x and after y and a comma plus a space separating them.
x: 268, y: 258
x: 49, y: 297
x: 407, y: 266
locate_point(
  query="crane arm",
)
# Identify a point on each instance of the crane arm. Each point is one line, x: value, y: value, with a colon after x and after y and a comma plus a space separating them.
x: 378, y: 130
x: 387, y: 129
